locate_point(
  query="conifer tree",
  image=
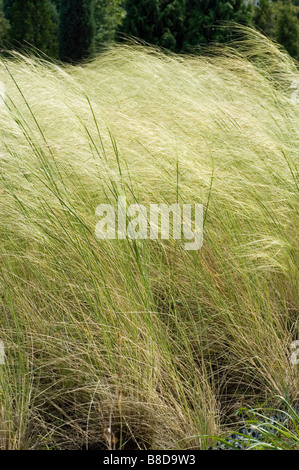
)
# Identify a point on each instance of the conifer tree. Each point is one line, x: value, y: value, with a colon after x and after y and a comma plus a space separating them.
x: 172, y: 17
x: 4, y: 25
x: 109, y: 15
x: 6, y: 4
x: 205, y: 18
x: 263, y: 17
x: 142, y: 20
x: 177, y: 24
x: 76, y: 30
x: 287, y: 27
x: 158, y: 22
x: 33, y: 23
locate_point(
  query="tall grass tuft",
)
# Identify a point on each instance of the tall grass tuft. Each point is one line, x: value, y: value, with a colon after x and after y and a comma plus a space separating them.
x: 140, y: 344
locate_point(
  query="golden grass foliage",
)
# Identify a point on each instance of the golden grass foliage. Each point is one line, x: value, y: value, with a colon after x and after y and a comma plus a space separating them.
x: 140, y: 344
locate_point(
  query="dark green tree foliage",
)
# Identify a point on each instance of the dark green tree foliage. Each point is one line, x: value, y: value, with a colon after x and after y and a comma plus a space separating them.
x: 76, y: 30
x: 263, y: 17
x: 172, y: 17
x: 159, y: 22
x: 4, y: 25
x: 279, y: 20
x: 142, y: 20
x: 109, y: 15
x: 205, y: 17
x: 177, y: 24
x: 33, y: 23
x: 6, y: 4
x: 287, y: 27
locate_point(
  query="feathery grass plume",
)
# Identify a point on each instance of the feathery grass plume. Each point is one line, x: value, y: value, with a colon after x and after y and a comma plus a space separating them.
x: 140, y: 344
